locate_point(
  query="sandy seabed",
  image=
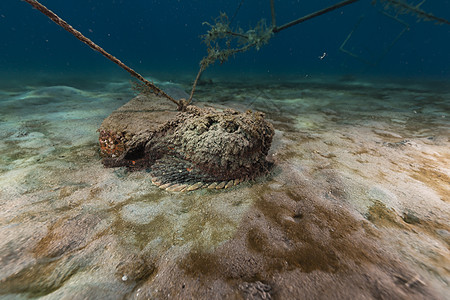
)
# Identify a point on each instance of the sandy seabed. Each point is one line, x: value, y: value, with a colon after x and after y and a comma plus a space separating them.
x: 356, y: 206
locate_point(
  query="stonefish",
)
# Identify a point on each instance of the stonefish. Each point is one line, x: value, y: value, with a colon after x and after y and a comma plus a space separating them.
x: 185, y: 151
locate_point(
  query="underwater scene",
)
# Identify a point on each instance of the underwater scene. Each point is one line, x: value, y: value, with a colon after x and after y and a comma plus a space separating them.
x: 225, y: 149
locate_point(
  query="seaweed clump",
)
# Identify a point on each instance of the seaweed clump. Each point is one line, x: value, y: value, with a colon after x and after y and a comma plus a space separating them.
x: 223, y: 42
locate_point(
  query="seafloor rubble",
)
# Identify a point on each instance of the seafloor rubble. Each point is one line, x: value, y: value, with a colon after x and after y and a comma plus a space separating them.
x: 184, y: 151
x: 355, y: 207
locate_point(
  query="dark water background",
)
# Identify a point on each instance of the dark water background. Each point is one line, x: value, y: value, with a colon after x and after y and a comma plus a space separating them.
x: 162, y: 37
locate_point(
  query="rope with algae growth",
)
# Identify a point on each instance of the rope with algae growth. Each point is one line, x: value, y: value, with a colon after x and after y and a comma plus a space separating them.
x: 220, y: 37
x: 221, y: 30
x: 255, y: 37
x: 55, y: 18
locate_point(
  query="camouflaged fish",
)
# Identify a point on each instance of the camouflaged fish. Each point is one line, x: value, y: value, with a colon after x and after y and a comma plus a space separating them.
x: 184, y: 151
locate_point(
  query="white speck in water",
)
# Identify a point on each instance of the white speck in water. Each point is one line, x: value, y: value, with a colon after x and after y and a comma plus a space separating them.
x: 124, y: 278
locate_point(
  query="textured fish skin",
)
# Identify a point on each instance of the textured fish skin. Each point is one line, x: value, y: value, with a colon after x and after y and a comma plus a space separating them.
x: 197, y: 148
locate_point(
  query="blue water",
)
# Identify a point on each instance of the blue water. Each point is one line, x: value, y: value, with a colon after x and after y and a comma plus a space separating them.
x: 156, y: 37
x: 356, y: 206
